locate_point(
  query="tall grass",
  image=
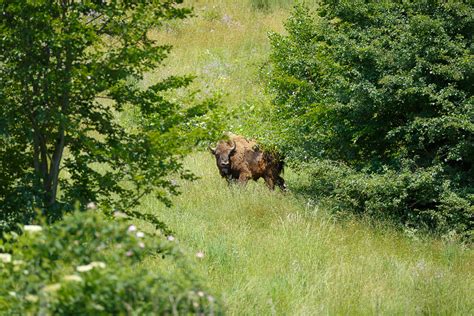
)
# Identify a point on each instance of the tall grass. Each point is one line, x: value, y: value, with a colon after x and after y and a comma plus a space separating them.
x: 226, y: 46
x: 271, y: 253
x: 272, y: 4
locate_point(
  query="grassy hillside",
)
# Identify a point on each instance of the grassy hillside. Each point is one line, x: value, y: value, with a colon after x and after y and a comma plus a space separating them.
x: 273, y: 253
x: 226, y: 46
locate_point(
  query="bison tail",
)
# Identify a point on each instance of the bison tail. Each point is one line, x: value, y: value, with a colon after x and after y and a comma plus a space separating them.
x: 280, y: 165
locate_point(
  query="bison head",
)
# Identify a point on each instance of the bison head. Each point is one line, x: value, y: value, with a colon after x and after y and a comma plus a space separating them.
x: 223, y: 152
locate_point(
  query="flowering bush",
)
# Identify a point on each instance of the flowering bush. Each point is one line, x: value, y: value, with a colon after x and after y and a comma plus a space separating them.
x: 87, y: 265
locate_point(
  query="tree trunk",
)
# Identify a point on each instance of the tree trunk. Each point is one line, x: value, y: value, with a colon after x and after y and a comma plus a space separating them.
x: 54, y: 168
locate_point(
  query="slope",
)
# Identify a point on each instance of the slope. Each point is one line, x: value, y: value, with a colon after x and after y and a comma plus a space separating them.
x: 271, y: 253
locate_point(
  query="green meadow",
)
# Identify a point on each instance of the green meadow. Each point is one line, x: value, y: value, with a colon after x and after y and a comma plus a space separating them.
x: 274, y: 253
x: 271, y: 253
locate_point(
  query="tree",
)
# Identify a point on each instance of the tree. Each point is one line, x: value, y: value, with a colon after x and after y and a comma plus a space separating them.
x: 382, y: 85
x: 68, y: 71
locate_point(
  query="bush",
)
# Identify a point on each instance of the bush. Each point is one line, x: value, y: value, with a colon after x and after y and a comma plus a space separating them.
x: 419, y: 199
x: 379, y: 85
x: 87, y: 265
x: 375, y: 83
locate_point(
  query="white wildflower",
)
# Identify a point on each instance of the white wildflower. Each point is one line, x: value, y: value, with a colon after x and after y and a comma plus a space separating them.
x: 52, y: 287
x: 31, y: 298
x: 32, y: 228
x: 132, y: 228
x: 170, y: 238
x: 129, y: 253
x: 200, y: 254
x: 119, y: 214
x: 141, y: 245
x: 84, y: 268
x: 91, y: 206
x: 98, y: 264
x: 12, y: 293
x: 73, y: 278
x: 140, y: 234
x: 5, y: 257
x: 90, y: 266
x: 18, y: 262
x: 200, y: 293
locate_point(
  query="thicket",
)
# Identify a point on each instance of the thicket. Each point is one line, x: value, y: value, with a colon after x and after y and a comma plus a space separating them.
x: 378, y: 97
x: 69, y: 70
x: 87, y: 264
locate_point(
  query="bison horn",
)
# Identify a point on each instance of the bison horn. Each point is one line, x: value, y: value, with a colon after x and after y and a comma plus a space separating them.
x: 233, y: 147
x: 213, y: 150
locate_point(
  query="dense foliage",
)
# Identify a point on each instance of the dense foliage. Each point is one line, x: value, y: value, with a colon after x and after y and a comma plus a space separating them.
x: 420, y: 199
x: 87, y: 265
x: 68, y: 69
x: 386, y: 88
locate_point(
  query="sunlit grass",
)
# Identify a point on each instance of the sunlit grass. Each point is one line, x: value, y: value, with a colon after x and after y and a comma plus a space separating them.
x: 272, y: 252
x: 269, y: 252
x: 224, y: 45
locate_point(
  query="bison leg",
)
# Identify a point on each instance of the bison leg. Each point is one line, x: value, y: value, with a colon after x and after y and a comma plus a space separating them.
x: 230, y: 180
x: 281, y: 183
x: 270, y: 183
x: 244, y: 177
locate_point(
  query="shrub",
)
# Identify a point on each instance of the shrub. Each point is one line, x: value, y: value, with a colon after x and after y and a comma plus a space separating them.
x: 87, y: 265
x: 378, y: 85
x: 419, y: 199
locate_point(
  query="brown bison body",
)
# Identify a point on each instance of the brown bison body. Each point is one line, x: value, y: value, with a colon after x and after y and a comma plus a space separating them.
x: 239, y: 159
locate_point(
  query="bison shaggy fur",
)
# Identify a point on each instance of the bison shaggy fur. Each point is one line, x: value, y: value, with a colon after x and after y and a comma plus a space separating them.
x: 239, y: 159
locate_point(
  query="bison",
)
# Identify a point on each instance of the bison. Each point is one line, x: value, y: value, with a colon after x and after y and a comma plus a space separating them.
x: 240, y: 159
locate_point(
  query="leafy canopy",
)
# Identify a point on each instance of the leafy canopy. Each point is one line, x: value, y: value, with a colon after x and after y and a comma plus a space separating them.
x: 68, y: 69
